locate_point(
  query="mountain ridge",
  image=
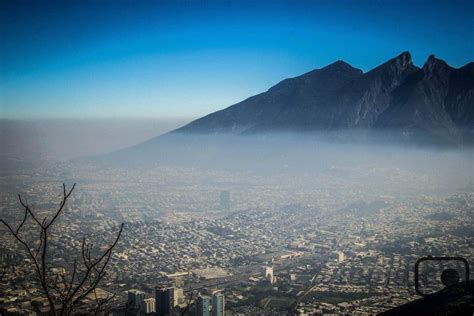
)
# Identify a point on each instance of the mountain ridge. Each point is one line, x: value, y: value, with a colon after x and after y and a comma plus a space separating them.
x: 396, y: 102
x: 435, y: 99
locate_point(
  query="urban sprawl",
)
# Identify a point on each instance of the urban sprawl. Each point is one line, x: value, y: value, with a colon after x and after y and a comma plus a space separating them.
x: 199, y: 242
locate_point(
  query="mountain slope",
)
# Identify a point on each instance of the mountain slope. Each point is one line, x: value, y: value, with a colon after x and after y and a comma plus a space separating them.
x: 362, y: 101
x: 282, y: 105
x: 436, y: 99
x: 395, y: 101
x: 435, y: 102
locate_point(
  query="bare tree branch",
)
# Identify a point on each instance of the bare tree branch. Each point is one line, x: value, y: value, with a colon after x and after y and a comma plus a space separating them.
x: 101, y: 302
x: 63, y: 203
x: 190, y: 301
x: 57, y: 289
x: 90, y: 268
x: 28, y: 210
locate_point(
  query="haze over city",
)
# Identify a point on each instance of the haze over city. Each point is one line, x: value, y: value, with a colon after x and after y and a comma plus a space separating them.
x: 236, y: 158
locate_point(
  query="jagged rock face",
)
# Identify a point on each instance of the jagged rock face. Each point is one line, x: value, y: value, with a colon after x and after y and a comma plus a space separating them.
x: 364, y: 100
x: 436, y: 99
x: 459, y: 102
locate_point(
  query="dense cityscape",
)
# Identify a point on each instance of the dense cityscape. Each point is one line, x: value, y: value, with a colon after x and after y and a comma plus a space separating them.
x: 236, y: 158
x: 198, y: 241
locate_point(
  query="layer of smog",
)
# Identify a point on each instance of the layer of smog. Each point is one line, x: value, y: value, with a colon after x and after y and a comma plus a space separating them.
x: 327, y: 216
x: 234, y: 158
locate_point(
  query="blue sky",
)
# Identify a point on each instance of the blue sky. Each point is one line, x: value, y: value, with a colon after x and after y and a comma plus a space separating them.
x: 106, y: 59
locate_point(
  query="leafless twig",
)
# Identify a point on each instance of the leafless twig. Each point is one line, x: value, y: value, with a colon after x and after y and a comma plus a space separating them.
x: 62, y: 294
x: 188, y: 304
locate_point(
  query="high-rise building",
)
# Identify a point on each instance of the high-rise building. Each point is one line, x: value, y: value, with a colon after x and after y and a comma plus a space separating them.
x: 164, y: 301
x: 135, y: 299
x: 224, y: 200
x: 203, y: 305
x: 149, y: 305
x: 292, y: 278
x: 269, y: 274
x: 178, y: 282
x: 218, y: 304
x: 178, y: 296
x: 339, y: 256
x: 167, y: 298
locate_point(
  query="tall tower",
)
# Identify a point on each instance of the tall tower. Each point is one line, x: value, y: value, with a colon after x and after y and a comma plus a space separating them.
x: 164, y: 300
x: 218, y: 304
x: 178, y: 296
x: 136, y: 298
x: 149, y: 306
x: 203, y: 304
x: 339, y: 256
x: 269, y: 274
x: 224, y: 200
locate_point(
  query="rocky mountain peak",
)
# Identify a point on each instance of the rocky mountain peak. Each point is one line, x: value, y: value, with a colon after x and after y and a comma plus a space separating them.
x: 403, y: 60
x: 435, y: 66
x: 396, y: 95
x: 397, y: 65
x: 338, y: 65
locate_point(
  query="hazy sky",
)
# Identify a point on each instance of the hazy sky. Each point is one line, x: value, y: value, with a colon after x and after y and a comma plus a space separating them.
x: 184, y: 58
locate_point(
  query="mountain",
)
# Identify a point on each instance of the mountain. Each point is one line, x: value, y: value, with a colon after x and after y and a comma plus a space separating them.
x: 437, y: 101
x: 394, y: 102
x: 285, y: 105
x: 434, y: 101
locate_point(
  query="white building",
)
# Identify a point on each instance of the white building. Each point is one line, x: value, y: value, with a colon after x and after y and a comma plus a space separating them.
x: 149, y: 305
x: 269, y: 275
x: 339, y: 256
